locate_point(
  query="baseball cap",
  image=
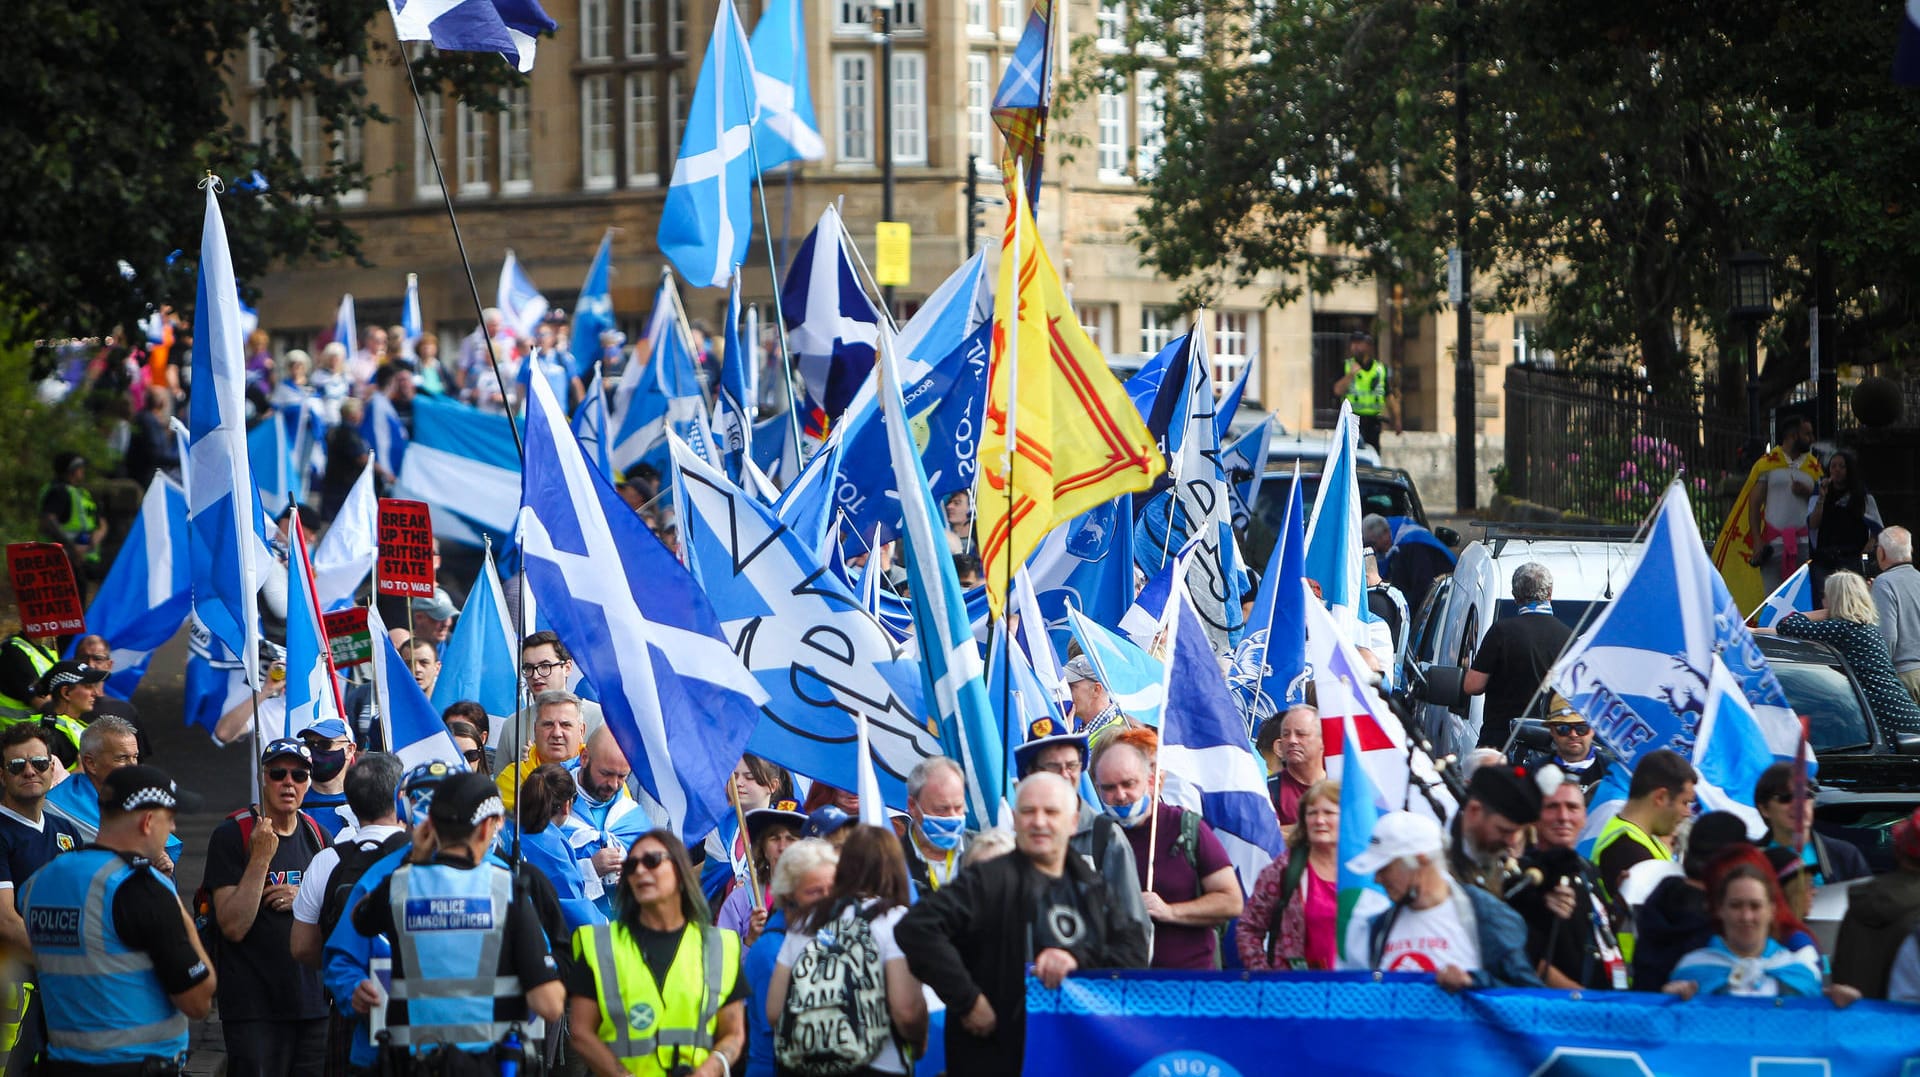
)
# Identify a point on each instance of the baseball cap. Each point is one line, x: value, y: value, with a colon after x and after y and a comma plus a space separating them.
x: 824, y: 821
x: 1079, y: 668
x: 1398, y: 834
x: 284, y: 747
x: 415, y: 792
x: 326, y: 729
x: 136, y: 787
x: 439, y: 607
x: 69, y: 672
x: 465, y: 799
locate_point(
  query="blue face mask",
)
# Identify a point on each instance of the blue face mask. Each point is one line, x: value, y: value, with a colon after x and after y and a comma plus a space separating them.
x: 1129, y: 814
x: 943, y: 832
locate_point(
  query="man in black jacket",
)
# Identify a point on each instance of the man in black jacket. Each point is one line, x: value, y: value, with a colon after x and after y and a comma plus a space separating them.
x: 972, y: 940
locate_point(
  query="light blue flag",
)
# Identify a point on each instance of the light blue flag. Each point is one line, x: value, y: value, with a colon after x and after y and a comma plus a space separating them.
x: 734, y: 398
x: 1270, y: 665
x: 411, y: 327
x: 414, y: 730
x: 508, y: 27
x: 1230, y: 404
x: 461, y: 462
x: 519, y: 301
x: 216, y: 679
x: 807, y: 504
x: 659, y: 393
x: 385, y: 432
x: 1359, y: 898
x: 1087, y: 565
x: 680, y: 704
x: 312, y: 693
x: 708, y: 217
x: 1731, y: 751
x: 480, y: 656
x: 786, y: 130
x: 148, y: 591
x: 346, y: 328
x: 819, y: 657
x: 223, y: 502
x: 1794, y: 595
x: 1215, y: 577
x: 1135, y: 680
x: 591, y: 427
x: 950, y: 660
x: 832, y: 327
x: 1333, y: 531
x: 270, y: 456
x: 593, y: 311
x: 1245, y: 464
x: 1016, y: 694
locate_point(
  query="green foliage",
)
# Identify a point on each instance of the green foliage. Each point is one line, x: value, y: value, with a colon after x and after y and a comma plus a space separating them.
x: 117, y: 109
x: 34, y: 433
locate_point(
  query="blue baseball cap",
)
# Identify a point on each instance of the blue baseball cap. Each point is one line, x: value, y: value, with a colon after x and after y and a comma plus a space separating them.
x: 825, y: 820
x: 326, y: 729
x: 286, y: 747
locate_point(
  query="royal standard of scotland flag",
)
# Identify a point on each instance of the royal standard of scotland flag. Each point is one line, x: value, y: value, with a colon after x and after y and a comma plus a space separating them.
x: 708, y: 217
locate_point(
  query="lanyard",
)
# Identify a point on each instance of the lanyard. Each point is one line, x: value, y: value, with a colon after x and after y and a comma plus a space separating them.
x: 933, y: 877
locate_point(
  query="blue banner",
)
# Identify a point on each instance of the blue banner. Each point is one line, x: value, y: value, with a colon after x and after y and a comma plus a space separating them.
x: 1139, y: 1024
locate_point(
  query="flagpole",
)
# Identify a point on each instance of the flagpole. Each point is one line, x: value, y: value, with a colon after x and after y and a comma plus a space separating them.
x: 1175, y: 597
x: 373, y: 598
x: 1010, y: 455
x: 773, y: 273
x: 520, y: 695
x: 446, y: 196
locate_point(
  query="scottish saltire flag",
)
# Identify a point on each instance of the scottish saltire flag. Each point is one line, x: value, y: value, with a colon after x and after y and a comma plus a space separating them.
x: 313, y: 694
x: 414, y: 730
x: 345, y: 554
x: 1135, y: 680
x: 593, y: 310
x: 1208, y: 761
x: 1333, y: 533
x: 385, y: 432
x: 1269, y: 666
x: 1358, y: 898
x: 778, y: 605
x: 1030, y: 633
x: 1086, y: 564
x: 1244, y: 463
x: 479, y: 659
x: 507, y: 27
x: 1215, y: 577
x: 1642, y: 671
x: 148, y: 591
x: 660, y: 392
x: 271, y: 459
x: 346, y: 328
x: 519, y: 301
x: 734, y: 398
x: 949, y: 659
x: 806, y: 506
x: 1145, y: 620
x: 1794, y: 595
x: 1020, y: 104
x: 708, y: 216
x: 223, y: 502
x: 462, y: 464
x: 591, y: 427
x: 411, y: 327
x: 786, y: 130
x: 832, y: 327
x: 680, y: 704
x: 1731, y: 750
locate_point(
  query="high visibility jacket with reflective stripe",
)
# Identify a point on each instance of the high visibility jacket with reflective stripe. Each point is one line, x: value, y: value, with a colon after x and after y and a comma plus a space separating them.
x: 651, y: 1028
x: 1617, y: 829
x: 450, y: 928
x: 41, y: 659
x: 103, y: 1003
x: 82, y: 516
x: 1367, y: 392
x: 13, y: 1009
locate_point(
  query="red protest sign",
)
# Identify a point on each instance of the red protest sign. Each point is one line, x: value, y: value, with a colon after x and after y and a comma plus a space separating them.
x: 43, y: 588
x: 406, y: 548
x: 347, y: 636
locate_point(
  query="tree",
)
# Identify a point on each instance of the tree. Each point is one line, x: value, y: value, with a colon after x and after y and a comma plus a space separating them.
x: 118, y: 108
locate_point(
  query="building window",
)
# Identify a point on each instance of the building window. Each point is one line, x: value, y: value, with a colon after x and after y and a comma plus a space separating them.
x: 256, y: 119
x: 977, y: 17
x: 850, y: 92
x: 1158, y: 327
x: 1111, y: 152
x: 677, y: 27
x: 259, y: 58
x: 909, y: 108
x: 1098, y: 320
x: 1009, y: 18
x: 675, y: 117
x: 470, y: 141
x: 426, y: 182
x: 1191, y: 30
x: 640, y: 16
x: 1110, y: 21
x: 516, y: 142
x: 310, y: 136
x: 979, y: 106
x: 906, y: 16
x: 1150, y: 101
x: 643, y: 131
x: 1526, y: 343
x: 596, y: 38
x: 1236, y: 340
x: 596, y: 132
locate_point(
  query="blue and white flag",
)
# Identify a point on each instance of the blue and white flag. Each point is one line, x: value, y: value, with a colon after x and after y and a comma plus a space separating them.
x: 734, y: 398
x: 1135, y: 680
x: 1229, y: 405
x: 949, y: 659
x: 708, y: 217
x: 462, y: 464
x: 346, y: 328
x: 1145, y: 620
x: 805, y: 638
x: 1794, y: 595
x: 148, y: 591
x: 593, y: 310
x: 411, y: 327
x: 1269, y: 667
x: 1244, y: 463
x: 385, y: 432
x: 1158, y: 391
x: 1731, y: 751
x: 807, y: 505
x: 832, y: 328
x: 679, y: 702
x: 519, y: 301
x: 507, y: 27
x: 1086, y: 565
x: 1215, y: 577
x: 660, y: 392
x: 591, y: 426
x: 1333, y: 533
x: 222, y: 501
x: 1906, y: 52
x: 1642, y: 672
x: 786, y: 130
x: 345, y: 555
x: 312, y: 693
x: 270, y: 456
x: 1359, y: 898
x: 1208, y: 761
x: 414, y: 730
x: 480, y: 657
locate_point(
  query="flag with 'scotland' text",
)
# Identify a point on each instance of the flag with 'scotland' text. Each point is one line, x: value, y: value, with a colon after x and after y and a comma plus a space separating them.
x: 708, y: 216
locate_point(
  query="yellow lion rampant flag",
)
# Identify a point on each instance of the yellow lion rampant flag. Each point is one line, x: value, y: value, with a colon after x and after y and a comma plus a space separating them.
x: 1060, y: 435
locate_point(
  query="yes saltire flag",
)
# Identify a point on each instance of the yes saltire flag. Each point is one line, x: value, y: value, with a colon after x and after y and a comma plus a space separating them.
x: 414, y: 730
x: 479, y: 659
x: 708, y: 217
x: 507, y: 27
x: 517, y: 298
x: 786, y: 130
x: 1731, y: 750
x: 1020, y: 104
x: 1794, y: 595
x: 1359, y: 898
x: 593, y: 311
x: 1060, y: 436
x: 148, y: 591
x: 1269, y: 666
x: 313, y: 695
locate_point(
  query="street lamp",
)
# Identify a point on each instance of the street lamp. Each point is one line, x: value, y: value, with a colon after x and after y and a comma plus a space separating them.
x: 883, y: 36
x: 1750, y: 287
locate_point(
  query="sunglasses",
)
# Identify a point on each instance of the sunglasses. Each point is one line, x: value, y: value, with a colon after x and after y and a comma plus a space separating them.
x: 473, y: 755
x: 281, y: 774
x: 649, y: 860
x: 1787, y: 798
x: 40, y: 763
x: 1569, y: 729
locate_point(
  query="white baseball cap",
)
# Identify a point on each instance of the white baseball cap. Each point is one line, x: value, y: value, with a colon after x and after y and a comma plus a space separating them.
x: 1398, y: 834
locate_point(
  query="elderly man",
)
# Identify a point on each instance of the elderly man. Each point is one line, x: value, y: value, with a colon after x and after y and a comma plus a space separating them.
x: 971, y: 942
x: 1501, y: 803
x: 1408, y: 555
x: 937, y: 834
x: 547, y: 666
x: 1516, y: 654
x: 1300, y: 749
x: 1462, y: 935
x: 559, y: 736
x: 1093, y: 710
x: 106, y: 745
x: 1570, y: 936
x: 1896, y: 593
x: 611, y: 820
x: 1053, y: 747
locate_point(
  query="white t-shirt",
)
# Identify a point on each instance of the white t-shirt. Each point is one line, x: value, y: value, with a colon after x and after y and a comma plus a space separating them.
x: 1428, y: 940
x: 1786, y: 506
x: 888, y: 1060
x: 313, y: 885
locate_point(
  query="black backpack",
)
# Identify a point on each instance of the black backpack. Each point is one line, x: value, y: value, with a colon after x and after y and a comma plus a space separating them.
x: 355, y: 858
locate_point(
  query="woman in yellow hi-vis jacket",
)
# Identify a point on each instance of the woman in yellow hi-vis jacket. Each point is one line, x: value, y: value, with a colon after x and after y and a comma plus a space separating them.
x: 659, y: 990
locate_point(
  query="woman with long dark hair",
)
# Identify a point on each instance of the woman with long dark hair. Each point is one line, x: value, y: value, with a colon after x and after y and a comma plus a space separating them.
x: 1844, y: 519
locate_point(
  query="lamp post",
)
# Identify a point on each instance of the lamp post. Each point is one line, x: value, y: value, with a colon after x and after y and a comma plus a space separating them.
x: 1750, y: 289
x: 883, y: 36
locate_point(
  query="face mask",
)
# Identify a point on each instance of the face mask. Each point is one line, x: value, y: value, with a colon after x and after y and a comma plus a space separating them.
x: 1129, y: 814
x: 328, y: 765
x: 943, y: 831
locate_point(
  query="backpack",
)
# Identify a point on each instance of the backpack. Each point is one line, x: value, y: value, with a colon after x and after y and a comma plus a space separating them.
x: 836, y: 1019
x: 356, y: 856
x: 205, y: 920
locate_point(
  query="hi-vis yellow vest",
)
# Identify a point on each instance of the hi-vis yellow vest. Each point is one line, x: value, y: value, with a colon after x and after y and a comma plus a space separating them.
x: 1367, y: 392
x: 652, y: 1030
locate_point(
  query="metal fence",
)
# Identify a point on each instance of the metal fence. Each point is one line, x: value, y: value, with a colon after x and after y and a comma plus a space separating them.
x: 1604, y: 445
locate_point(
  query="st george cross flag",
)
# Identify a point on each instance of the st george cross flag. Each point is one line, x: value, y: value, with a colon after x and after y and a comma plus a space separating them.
x: 680, y: 704
x: 1060, y: 436
x: 507, y: 27
x: 1020, y: 104
x: 708, y: 217
x: 480, y: 656
x: 410, y: 325
x: 593, y: 311
x: 346, y: 552
x: 831, y: 324
x: 1794, y: 595
x: 313, y: 694
x: 148, y: 591
x: 786, y: 130
x: 517, y: 298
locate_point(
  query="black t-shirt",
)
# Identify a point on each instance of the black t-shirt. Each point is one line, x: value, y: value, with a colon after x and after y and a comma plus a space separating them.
x: 1059, y: 919
x: 146, y: 913
x: 657, y: 950
x: 1515, y: 655
x: 259, y: 979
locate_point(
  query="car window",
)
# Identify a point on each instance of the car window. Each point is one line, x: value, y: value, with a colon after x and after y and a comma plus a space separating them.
x: 1270, y: 509
x: 1426, y: 623
x: 1834, y: 711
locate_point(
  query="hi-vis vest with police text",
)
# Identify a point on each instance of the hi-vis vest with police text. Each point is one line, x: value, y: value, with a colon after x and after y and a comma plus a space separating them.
x: 450, y: 926
x: 103, y: 1003
x: 1367, y: 392
x: 651, y: 1029
x: 41, y: 658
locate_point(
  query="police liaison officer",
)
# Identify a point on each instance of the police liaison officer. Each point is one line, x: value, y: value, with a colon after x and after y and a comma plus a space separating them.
x: 1367, y: 389
x: 121, y: 967
x: 470, y: 959
x: 658, y: 991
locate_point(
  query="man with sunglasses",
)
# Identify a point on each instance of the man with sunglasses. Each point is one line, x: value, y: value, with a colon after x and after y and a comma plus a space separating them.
x: 29, y: 836
x: 1574, y: 751
x: 273, y: 1010
x: 1789, y: 822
